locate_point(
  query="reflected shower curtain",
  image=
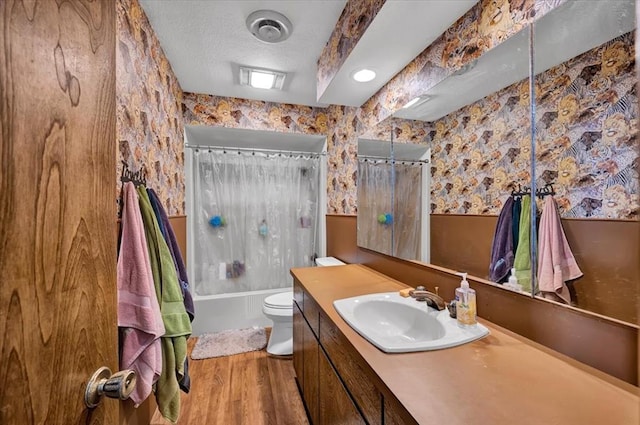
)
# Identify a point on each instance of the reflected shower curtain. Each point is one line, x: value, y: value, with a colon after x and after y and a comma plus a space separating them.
x: 407, y: 206
x: 256, y: 217
x: 374, y: 203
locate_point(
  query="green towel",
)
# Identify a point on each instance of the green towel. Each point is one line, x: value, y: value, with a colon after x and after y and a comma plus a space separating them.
x: 174, y: 316
x: 522, y: 262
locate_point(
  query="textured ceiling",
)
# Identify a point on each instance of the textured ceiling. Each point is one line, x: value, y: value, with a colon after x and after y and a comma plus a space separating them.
x: 206, y: 41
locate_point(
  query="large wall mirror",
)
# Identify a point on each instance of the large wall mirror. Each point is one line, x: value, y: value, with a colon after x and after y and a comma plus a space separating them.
x: 446, y: 147
x: 475, y: 129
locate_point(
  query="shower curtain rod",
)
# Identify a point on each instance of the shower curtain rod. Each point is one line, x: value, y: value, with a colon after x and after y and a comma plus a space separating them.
x: 423, y: 161
x: 224, y: 148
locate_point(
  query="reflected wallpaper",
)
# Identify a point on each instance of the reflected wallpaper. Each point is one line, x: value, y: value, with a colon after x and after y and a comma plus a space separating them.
x: 480, y: 152
x: 586, y: 122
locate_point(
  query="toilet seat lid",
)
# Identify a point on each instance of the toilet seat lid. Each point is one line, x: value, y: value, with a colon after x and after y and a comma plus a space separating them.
x: 281, y: 300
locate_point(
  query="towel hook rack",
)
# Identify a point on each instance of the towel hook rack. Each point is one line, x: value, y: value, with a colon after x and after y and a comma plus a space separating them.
x: 138, y: 178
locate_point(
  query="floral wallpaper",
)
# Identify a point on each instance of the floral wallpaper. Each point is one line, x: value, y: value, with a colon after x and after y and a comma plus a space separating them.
x: 342, y: 169
x: 353, y: 22
x: 586, y: 143
x: 338, y: 123
x: 204, y: 109
x: 586, y: 125
x: 149, y: 124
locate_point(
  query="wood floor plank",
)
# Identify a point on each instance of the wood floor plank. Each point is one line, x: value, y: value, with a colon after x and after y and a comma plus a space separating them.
x: 250, y: 388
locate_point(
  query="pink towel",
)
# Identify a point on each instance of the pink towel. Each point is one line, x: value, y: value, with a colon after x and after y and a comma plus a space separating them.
x: 138, y: 308
x: 556, y: 263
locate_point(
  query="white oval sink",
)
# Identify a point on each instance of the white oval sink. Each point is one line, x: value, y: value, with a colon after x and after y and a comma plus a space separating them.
x: 399, y: 325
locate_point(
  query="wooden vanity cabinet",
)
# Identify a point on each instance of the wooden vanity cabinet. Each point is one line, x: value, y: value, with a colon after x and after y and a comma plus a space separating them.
x: 337, y: 385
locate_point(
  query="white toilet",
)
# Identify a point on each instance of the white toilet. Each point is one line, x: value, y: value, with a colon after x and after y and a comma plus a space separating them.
x: 279, y: 309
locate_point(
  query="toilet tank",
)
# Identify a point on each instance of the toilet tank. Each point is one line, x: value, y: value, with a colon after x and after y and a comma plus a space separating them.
x: 328, y: 261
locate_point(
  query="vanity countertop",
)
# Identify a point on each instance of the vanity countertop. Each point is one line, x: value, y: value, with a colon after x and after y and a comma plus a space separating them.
x: 500, y: 379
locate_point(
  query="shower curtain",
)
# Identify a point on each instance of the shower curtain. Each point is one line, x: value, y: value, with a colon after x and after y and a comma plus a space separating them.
x: 375, y: 213
x: 256, y: 217
x: 407, y: 210
x: 389, y: 207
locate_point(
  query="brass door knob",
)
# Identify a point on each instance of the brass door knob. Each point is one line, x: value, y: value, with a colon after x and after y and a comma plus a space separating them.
x: 119, y: 385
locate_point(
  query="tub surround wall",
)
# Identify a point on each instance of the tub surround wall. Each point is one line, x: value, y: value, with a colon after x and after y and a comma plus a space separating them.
x: 601, y: 343
x: 149, y: 126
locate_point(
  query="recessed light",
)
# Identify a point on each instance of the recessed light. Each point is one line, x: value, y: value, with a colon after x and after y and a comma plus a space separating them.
x: 261, y: 78
x: 364, y: 75
x: 417, y: 101
x: 411, y: 102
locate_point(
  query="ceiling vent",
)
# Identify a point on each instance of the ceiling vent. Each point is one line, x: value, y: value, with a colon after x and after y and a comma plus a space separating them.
x: 269, y: 26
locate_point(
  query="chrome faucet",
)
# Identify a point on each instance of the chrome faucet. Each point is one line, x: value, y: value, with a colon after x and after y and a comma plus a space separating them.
x: 433, y: 300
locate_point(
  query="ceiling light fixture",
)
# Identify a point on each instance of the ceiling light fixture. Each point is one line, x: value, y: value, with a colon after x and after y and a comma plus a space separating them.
x: 411, y: 102
x: 261, y: 78
x: 417, y: 101
x: 364, y: 75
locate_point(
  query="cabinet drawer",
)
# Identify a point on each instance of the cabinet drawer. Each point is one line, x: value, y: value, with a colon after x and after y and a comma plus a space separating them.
x: 311, y: 312
x: 355, y: 373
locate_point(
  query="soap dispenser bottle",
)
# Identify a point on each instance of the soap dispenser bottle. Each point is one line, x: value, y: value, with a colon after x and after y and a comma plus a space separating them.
x: 512, y: 283
x: 465, y: 303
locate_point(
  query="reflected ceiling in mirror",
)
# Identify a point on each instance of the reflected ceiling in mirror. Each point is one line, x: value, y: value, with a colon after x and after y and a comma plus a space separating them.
x: 498, y: 68
x: 577, y: 27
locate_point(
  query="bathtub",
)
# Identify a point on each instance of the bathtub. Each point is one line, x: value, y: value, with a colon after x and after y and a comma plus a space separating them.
x: 231, y: 311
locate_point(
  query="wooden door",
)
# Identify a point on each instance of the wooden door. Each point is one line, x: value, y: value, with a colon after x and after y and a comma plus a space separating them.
x: 57, y: 209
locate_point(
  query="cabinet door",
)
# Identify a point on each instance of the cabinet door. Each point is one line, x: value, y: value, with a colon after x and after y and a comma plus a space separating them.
x: 310, y: 372
x: 336, y: 406
x: 298, y: 345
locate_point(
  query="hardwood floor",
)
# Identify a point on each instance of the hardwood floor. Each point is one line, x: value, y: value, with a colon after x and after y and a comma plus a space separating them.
x: 251, y: 388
